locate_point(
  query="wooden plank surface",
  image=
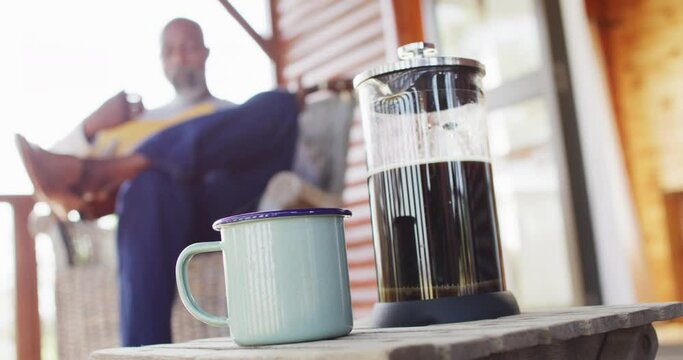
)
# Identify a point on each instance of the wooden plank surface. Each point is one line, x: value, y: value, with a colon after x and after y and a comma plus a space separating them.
x: 609, y: 332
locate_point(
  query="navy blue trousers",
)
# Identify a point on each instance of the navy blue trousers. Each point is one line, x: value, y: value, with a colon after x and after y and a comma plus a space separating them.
x: 202, y: 170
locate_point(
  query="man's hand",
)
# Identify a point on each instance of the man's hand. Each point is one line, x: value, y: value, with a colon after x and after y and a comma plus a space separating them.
x: 115, y: 111
x: 103, y: 204
x: 337, y: 84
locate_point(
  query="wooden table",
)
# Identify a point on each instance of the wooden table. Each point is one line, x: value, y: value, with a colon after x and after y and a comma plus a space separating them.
x: 597, y: 332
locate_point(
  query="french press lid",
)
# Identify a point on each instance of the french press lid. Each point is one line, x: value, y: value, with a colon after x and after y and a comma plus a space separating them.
x: 417, y: 55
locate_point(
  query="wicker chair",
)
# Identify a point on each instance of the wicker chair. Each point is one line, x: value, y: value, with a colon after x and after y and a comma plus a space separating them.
x: 86, y: 280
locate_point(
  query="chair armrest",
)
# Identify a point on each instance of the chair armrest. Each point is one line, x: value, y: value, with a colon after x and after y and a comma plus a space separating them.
x: 287, y: 190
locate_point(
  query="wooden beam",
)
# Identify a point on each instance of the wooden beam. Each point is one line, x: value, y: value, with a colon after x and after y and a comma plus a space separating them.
x: 276, y: 45
x: 673, y: 203
x: 27, y: 321
x: 265, y: 44
x: 402, y: 21
x: 408, y: 18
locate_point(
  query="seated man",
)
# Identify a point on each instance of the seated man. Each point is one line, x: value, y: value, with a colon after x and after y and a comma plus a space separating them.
x: 172, y: 187
x: 110, y: 131
x: 174, y: 184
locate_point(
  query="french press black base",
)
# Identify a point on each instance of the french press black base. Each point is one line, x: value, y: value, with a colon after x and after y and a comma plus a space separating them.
x: 445, y: 310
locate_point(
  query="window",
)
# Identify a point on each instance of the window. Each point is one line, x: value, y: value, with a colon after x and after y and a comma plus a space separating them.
x: 526, y: 143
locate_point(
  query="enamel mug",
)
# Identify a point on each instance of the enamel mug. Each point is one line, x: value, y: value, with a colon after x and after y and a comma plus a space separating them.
x: 286, y: 276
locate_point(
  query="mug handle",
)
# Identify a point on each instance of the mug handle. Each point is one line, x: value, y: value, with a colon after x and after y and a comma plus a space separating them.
x: 184, y: 288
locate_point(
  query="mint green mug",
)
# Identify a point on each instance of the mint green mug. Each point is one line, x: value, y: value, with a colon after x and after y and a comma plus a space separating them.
x: 286, y: 276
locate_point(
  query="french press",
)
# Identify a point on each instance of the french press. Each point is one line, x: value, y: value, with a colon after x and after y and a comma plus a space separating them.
x: 434, y: 223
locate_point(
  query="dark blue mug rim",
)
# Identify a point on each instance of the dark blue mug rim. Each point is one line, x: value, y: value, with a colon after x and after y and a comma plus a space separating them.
x: 262, y: 215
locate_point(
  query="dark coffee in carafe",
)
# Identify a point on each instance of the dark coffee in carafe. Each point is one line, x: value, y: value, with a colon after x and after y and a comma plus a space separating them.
x: 436, y: 231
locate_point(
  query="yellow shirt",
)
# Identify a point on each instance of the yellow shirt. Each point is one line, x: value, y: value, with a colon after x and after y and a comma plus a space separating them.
x: 123, y: 139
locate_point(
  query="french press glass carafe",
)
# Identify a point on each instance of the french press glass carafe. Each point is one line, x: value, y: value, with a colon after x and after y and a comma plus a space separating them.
x: 433, y: 208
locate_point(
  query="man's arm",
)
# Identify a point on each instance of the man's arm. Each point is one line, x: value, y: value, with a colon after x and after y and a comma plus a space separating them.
x: 225, y: 139
x: 75, y: 143
x: 113, y: 112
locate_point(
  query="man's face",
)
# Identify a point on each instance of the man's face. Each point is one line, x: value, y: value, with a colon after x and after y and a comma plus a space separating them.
x: 184, y: 56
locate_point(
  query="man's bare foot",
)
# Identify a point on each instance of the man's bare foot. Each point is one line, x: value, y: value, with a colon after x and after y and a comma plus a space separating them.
x: 101, y: 180
x: 54, y: 176
x: 101, y: 177
x: 69, y: 183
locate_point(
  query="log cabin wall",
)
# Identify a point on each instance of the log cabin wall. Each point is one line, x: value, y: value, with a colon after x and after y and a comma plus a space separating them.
x: 642, y: 42
x: 317, y: 40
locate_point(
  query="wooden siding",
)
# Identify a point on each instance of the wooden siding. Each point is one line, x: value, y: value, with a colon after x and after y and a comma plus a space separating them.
x: 320, y: 39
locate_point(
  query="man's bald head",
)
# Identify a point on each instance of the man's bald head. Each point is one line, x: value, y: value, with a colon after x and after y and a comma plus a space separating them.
x: 185, y: 27
x: 184, y: 55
